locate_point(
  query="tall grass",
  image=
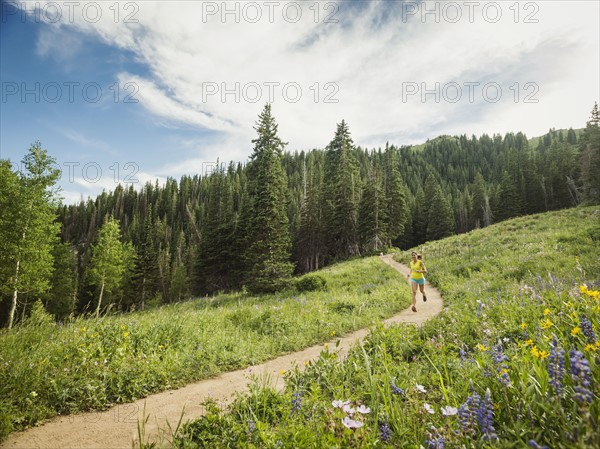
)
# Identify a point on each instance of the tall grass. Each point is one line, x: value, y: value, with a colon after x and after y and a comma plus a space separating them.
x: 90, y: 364
x: 513, y: 361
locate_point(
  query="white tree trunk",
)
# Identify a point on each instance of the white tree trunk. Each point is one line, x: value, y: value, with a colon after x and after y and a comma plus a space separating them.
x: 100, y: 300
x: 13, y: 305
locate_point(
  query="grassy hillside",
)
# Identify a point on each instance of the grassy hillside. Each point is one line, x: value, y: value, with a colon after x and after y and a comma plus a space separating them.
x: 48, y: 369
x: 512, y: 362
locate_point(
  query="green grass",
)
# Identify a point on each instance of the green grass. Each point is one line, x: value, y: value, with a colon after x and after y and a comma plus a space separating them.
x: 516, y: 295
x: 48, y: 369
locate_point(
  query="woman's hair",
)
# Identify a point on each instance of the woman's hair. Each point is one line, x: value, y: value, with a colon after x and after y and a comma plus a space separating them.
x: 419, y: 256
x: 413, y: 253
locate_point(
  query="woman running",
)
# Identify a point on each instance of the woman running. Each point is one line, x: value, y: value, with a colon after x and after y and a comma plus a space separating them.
x: 417, y: 278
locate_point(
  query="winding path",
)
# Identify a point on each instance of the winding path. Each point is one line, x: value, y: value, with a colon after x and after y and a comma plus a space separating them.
x: 117, y: 427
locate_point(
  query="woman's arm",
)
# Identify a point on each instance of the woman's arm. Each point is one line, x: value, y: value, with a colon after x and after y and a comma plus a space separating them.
x: 423, y: 268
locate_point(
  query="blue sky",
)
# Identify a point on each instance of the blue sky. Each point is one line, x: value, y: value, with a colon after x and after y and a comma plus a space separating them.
x: 166, y: 88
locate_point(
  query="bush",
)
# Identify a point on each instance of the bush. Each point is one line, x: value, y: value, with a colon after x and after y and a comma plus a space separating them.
x: 311, y: 283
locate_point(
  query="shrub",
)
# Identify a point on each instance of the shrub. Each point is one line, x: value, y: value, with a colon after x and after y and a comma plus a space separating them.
x: 311, y: 283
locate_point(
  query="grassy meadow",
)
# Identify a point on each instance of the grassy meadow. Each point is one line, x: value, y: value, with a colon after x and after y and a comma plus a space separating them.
x: 513, y: 361
x: 89, y: 364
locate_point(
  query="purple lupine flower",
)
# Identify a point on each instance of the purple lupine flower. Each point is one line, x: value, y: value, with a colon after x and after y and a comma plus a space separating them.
x: 556, y: 367
x: 581, y: 374
x: 395, y: 389
x: 296, y: 402
x: 586, y: 328
x: 534, y: 445
x: 385, y: 433
x: 435, y: 440
x: 467, y: 413
x: 251, y: 426
x: 499, y: 358
x: 463, y: 354
x: 485, y: 416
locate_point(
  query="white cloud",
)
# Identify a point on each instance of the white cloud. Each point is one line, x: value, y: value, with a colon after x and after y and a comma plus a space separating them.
x: 368, y: 55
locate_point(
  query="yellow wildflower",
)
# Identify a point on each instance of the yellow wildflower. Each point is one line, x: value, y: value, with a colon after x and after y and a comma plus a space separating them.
x: 123, y: 327
x: 546, y: 323
x: 546, y: 312
x: 481, y: 347
x: 333, y: 333
x: 539, y: 354
x: 583, y: 289
x: 529, y: 342
x: 590, y: 348
x: 523, y: 326
x: 125, y: 334
x: 575, y: 331
x: 282, y: 372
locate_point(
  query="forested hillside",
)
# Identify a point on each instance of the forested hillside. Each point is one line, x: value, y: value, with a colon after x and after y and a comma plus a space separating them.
x: 202, y: 234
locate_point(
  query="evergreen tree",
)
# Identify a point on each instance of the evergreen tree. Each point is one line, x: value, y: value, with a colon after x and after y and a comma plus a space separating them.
x: 479, y: 201
x: 373, y: 218
x: 268, y: 255
x: 145, y: 271
x: 342, y: 191
x: 61, y: 298
x: 590, y: 158
x: 508, y: 199
x: 440, y: 221
x: 397, y: 204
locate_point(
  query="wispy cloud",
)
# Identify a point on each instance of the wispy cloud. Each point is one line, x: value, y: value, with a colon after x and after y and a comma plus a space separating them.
x: 204, y: 69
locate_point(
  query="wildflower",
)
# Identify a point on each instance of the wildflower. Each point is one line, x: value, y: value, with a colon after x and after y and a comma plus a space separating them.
x: 281, y: 372
x: 586, y: 328
x: 333, y: 333
x: 546, y: 324
x: 589, y: 348
x: 363, y: 410
x: 462, y: 354
x: 251, y: 426
x: 125, y: 334
x: 539, y: 354
x: 385, y: 433
x: 583, y: 289
x: 338, y: 403
x: 33, y: 394
x: 296, y: 401
x: 351, y: 424
x: 467, y: 413
x: 556, y: 367
x: 348, y: 410
x: 481, y: 347
x: 528, y: 342
x: 546, y: 312
x: 575, y: 331
x: 485, y: 416
x: 435, y: 440
x: 581, y: 374
x: 428, y: 408
x: 534, y: 445
x: 421, y: 388
x: 395, y: 389
x: 449, y: 411
x: 523, y: 326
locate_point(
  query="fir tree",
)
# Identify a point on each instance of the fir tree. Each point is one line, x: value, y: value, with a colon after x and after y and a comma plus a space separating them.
x: 268, y: 255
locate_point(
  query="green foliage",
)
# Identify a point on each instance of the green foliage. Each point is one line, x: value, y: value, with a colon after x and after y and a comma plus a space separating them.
x: 494, y: 340
x: 268, y: 256
x: 93, y: 363
x: 311, y: 283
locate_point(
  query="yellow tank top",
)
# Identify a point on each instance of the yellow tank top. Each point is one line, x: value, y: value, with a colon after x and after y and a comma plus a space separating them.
x: 415, y: 266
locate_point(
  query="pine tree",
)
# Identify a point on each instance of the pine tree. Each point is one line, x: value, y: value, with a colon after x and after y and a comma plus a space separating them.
x: 590, y: 158
x: 342, y: 192
x: 479, y: 201
x: 440, y: 221
x: 508, y: 205
x: 28, y: 227
x: 268, y: 255
x: 373, y: 218
x: 397, y: 205
x: 60, y: 299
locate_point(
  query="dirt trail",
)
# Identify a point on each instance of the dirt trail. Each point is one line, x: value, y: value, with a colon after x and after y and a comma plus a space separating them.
x: 117, y: 427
